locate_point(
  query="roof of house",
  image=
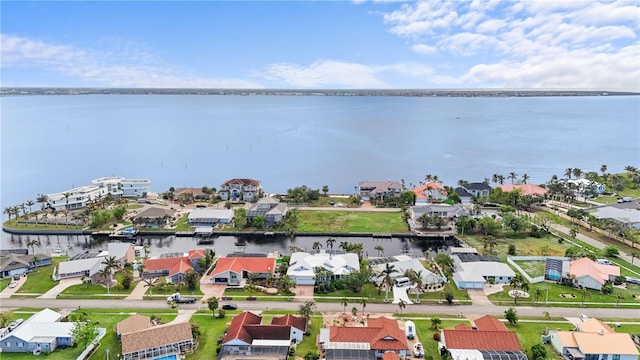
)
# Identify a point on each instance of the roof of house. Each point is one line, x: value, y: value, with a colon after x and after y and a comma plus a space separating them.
x: 626, y: 216
x: 243, y: 182
x: 304, y: 264
x: 268, y: 332
x: 477, y: 186
x: 196, y: 253
x: 119, y: 249
x: 200, y: 213
x: 237, y: 327
x: 594, y: 325
x: 133, y: 323
x: 481, y: 340
x: 43, y: 324
x: 76, y: 266
x: 379, y: 185
x: 566, y: 339
x: 390, y: 355
x: 297, y: 322
x: 489, y: 323
x: 449, y: 210
x: 155, y: 212
x: 156, y: 336
x: 587, y: 267
x: 403, y: 263
x: 239, y: 264
x: 422, y: 189
x: 18, y: 261
x: 527, y: 189
x: 594, y: 343
x: 381, y: 333
x: 174, y: 265
x: 462, y: 192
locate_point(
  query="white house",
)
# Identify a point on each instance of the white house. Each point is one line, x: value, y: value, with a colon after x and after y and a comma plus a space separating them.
x: 593, y: 340
x: 78, y: 197
x: 239, y: 189
x: 43, y: 331
x: 472, y: 271
x: 88, y: 268
x: 302, y: 266
x: 271, y: 208
x: 402, y: 263
x: 210, y: 217
x: 628, y: 217
x: 135, y: 187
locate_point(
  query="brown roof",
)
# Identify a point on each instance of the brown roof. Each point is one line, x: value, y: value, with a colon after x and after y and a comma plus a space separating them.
x: 489, y: 323
x: 243, y: 182
x: 193, y: 191
x: 481, y: 340
x: 237, y: 327
x: 156, y: 336
x: 462, y: 327
x: 268, y: 332
x: 133, y: 323
x: 381, y: 333
x: 297, y: 322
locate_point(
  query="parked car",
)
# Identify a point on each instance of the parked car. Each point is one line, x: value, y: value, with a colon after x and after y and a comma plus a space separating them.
x: 16, y: 277
x: 13, y: 284
x: 229, y: 307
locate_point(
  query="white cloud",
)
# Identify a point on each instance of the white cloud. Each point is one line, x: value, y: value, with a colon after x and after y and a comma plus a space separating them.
x: 424, y: 49
x: 131, y: 68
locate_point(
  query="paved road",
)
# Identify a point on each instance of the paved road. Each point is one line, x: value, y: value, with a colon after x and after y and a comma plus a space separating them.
x: 327, y: 307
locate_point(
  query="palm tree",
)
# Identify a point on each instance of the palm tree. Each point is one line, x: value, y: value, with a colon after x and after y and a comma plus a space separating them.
x: 33, y: 243
x: 316, y: 246
x: 42, y: 199
x: 110, y: 263
x: 380, y: 249
x: 344, y: 304
x: 584, y: 293
x: 30, y: 203
x: 501, y: 179
x: 401, y: 305
x: 105, y: 273
x: 537, y: 292
x: 634, y: 255
x: 603, y: 170
x: 363, y: 302
x: 435, y: 322
x: 419, y: 283
x: 9, y: 211
x: 387, y: 280
x: 525, y: 177
x: 577, y: 173
x: 150, y: 283
x: 212, y: 304
x: 568, y: 173
x: 494, y: 178
x: 513, y: 176
x: 330, y: 242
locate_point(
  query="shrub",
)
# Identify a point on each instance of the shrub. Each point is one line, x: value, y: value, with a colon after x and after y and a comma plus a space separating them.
x: 436, y: 336
x: 311, y: 355
x: 221, y: 314
x: 449, y: 297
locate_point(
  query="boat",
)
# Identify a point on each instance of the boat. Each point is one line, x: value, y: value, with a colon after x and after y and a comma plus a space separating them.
x: 418, y: 350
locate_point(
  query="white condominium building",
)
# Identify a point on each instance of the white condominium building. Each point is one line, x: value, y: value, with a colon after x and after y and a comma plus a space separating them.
x: 78, y: 197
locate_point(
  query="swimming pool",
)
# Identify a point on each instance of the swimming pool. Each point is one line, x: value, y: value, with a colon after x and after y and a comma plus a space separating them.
x: 167, y: 357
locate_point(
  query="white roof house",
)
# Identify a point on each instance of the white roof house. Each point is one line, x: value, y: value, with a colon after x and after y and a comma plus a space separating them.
x: 82, y: 267
x: 472, y: 271
x: 42, y: 330
x: 302, y: 265
x: 627, y: 216
x: 403, y: 263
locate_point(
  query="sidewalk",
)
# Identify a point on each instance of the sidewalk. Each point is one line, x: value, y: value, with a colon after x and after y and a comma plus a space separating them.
x: 64, y: 283
x: 7, y: 292
x: 138, y: 292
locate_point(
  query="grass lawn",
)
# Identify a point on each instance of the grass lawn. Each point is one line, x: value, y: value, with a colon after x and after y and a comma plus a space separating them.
x: 532, y: 268
x: 4, y: 283
x: 40, y: 282
x: 368, y: 291
x: 210, y: 330
x: 94, y: 289
x: 529, y: 334
x: 13, y: 224
x: 347, y: 221
x: 525, y: 246
x: 173, y: 288
x: 309, y: 342
x: 425, y: 334
x: 325, y: 201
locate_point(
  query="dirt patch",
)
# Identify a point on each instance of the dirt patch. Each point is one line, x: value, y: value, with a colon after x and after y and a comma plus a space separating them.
x: 570, y: 296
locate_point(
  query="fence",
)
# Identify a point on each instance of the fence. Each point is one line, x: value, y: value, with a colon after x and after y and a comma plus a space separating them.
x: 512, y: 261
x: 101, y: 333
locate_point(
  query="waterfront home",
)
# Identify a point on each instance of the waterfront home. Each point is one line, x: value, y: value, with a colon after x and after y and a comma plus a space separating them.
x: 174, y: 269
x: 269, y: 207
x: 378, y: 190
x: 627, y: 217
x: 472, y: 271
x: 135, y: 187
x: 247, y: 336
x: 79, y: 197
x: 43, y: 331
x: 122, y: 252
x: 192, y: 194
x: 591, y: 275
x: 402, y: 264
x: 429, y: 193
x: 582, y: 187
x: 525, y: 189
x: 302, y: 266
x: 154, y: 217
x: 465, y: 196
x: 379, y: 336
x: 210, y: 217
x: 88, y: 268
x: 141, y: 340
x: 231, y: 270
x: 593, y: 339
x: 240, y: 190
x: 18, y: 264
x: 488, y: 338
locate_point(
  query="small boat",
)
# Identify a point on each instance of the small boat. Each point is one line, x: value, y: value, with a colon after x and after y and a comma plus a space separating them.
x: 418, y: 350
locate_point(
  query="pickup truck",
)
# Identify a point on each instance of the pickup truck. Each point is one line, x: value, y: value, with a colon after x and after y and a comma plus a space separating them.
x: 179, y: 299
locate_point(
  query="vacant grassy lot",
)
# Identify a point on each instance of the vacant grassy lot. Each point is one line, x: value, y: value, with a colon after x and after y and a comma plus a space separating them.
x: 351, y: 221
x: 525, y: 246
x: 40, y: 281
x: 210, y: 330
x: 532, y: 268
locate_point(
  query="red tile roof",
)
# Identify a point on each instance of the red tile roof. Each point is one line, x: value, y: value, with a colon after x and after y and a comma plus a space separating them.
x: 489, y: 323
x: 297, y: 322
x: 462, y: 327
x: 527, y: 189
x: 174, y: 265
x: 237, y: 327
x: 197, y: 253
x: 421, y: 191
x: 390, y: 355
x: 249, y: 264
x: 481, y: 340
x: 381, y: 333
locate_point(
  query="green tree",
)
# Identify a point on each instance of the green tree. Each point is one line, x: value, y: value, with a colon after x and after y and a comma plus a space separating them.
x: 330, y: 243
x: 444, y: 261
x: 401, y: 305
x: 119, y: 212
x: 488, y: 226
x: 33, y: 243
x: 387, y: 280
x: 435, y: 322
x: 538, y: 352
x: 325, y: 189
x: 5, y: 317
x: 344, y: 304
x: 127, y: 279
x: 191, y: 278
x: 611, y: 251
x: 212, y: 304
x: 449, y: 297
x: 258, y: 221
x: 511, y: 315
x: 110, y: 264
x: 84, y: 333
x: 311, y: 355
x: 150, y: 283
x: 240, y: 215
x: 380, y: 249
x: 316, y: 246
x: 307, y: 308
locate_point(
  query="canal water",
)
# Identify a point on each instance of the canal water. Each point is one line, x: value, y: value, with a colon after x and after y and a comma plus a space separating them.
x: 223, y: 245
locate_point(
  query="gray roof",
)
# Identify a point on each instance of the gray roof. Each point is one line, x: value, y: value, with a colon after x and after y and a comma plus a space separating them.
x: 450, y: 210
x: 380, y: 185
x: 477, y: 186
x: 155, y: 212
x: 119, y: 249
x: 627, y: 216
x: 76, y: 266
x: 17, y: 261
x: 211, y: 214
x: 462, y: 192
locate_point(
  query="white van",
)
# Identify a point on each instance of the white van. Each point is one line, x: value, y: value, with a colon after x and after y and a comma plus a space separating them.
x: 402, y: 282
x: 410, y: 330
x: 603, y: 262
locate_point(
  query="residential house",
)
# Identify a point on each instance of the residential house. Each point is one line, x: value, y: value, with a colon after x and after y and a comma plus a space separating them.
x: 135, y: 187
x: 488, y: 338
x: 525, y: 189
x: 43, y: 331
x: 194, y: 256
x: 593, y: 340
x: 271, y: 208
x: 378, y: 190
x: 402, y: 264
x: 477, y: 189
x: 448, y: 212
x: 585, y: 187
x: 123, y: 253
x: 381, y: 335
x: 302, y: 266
x: 154, y: 217
x: 240, y: 189
x: 627, y: 217
x: 247, y: 336
x: 88, y: 268
x: 231, y: 270
x: 210, y: 217
x: 429, y: 193
x: 472, y: 271
x: 591, y: 275
x: 18, y: 264
x: 173, y: 268
x: 141, y: 340
x: 194, y: 194
x: 465, y: 196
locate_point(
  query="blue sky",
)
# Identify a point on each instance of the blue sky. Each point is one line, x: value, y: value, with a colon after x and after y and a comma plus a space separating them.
x: 322, y: 44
